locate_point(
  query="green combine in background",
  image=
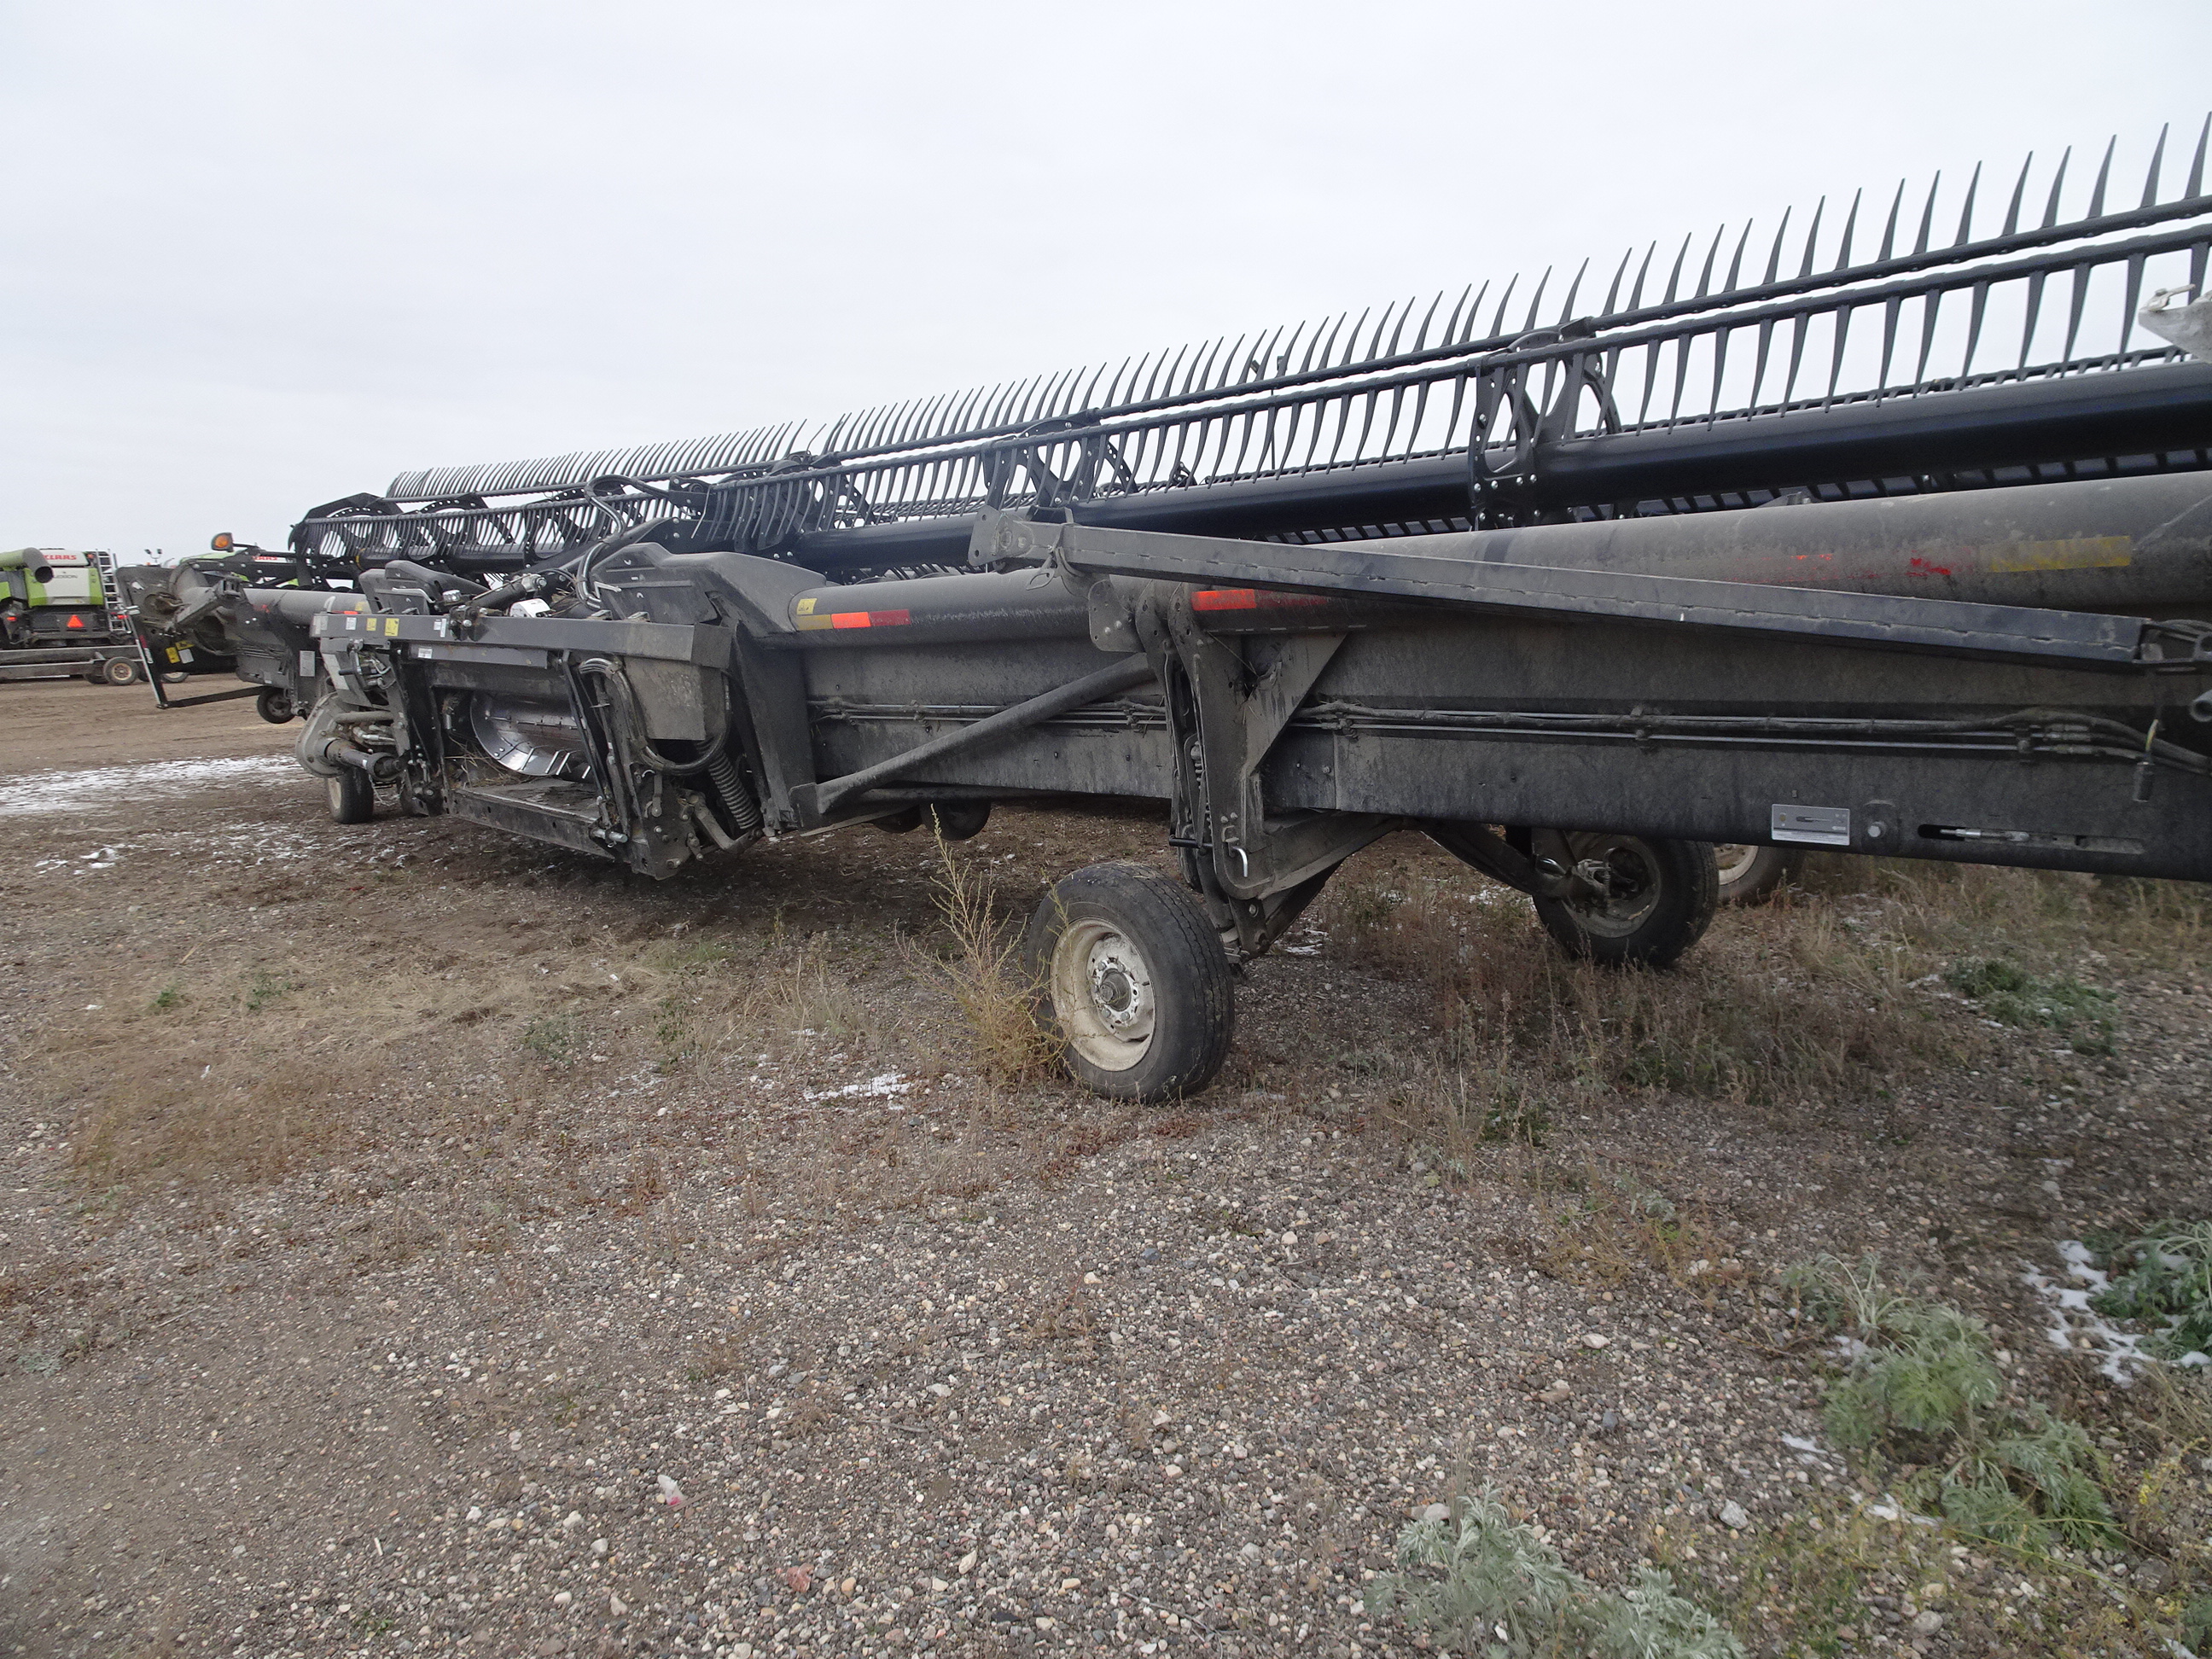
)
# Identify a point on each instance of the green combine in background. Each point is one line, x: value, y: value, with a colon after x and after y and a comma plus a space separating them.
x: 51, y: 596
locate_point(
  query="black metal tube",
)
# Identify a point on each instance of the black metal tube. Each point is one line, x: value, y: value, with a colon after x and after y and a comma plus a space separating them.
x: 377, y: 766
x: 1109, y: 681
x: 1453, y: 572
x: 2134, y: 546
x: 299, y: 605
x: 2081, y: 417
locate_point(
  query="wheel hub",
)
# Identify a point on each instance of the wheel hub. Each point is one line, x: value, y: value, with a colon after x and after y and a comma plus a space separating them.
x: 1120, y: 988
x: 1102, y: 993
x: 1619, y: 884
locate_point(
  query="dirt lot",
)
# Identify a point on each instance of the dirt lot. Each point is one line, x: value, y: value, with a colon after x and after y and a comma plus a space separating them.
x: 413, y: 1240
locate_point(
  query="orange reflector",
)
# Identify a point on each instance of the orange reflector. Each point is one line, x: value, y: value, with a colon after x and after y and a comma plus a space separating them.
x: 870, y: 619
x: 75, y: 621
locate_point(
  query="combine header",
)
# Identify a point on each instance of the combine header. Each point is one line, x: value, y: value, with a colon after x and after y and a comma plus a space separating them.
x: 1889, y: 529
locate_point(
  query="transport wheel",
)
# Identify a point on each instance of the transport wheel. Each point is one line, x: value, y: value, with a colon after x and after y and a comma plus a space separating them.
x: 1655, y: 897
x: 119, y: 670
x: 1132, y: 979
x: 274, y: 706
x: 902, y: 822
x: 1748, y: 872
x: 957, y: 820
x: 353, y: 797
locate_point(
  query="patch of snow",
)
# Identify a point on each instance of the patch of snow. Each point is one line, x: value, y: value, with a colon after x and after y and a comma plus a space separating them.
x: 90, y: 787
x: 885, y: 1084
x: 1808, y: 1452
x: 2076, y: 1325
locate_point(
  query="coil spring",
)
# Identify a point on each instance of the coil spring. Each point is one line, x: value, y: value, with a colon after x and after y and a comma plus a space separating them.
x: 738, y: 802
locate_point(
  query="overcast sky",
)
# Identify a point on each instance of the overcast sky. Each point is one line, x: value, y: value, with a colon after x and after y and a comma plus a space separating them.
x: 256, y: 256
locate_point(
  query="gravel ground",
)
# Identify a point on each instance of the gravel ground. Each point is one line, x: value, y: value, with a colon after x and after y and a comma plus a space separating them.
x: 417, y: 1242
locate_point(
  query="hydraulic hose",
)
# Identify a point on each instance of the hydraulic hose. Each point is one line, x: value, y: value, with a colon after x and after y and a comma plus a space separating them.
x: 632, y: 724
x: 723, y: 778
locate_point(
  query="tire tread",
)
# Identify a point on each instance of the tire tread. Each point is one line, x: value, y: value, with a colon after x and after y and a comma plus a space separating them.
x: 1197, y: 1013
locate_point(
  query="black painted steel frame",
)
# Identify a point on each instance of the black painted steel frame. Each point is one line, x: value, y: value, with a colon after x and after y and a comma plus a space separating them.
x: 1990, y: 359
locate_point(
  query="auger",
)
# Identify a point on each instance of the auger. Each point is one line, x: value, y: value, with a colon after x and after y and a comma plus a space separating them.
x: 1781, y: 542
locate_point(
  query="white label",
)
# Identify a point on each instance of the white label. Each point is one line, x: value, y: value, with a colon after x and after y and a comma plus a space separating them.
x: 1817, y: 826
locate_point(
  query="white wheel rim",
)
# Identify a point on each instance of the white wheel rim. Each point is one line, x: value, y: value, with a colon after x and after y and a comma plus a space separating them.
x: 1102, y: 995
x: 1733, y: 858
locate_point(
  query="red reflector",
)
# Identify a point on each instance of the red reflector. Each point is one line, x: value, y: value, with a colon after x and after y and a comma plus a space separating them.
x: 75, y: 621
x: 870, y: 619
x: 1246, y: 599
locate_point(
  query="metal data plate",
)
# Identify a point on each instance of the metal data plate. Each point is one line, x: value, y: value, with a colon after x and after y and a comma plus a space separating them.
x: 1818, y: 826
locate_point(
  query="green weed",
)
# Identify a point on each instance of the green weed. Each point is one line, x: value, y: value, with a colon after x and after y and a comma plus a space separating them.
x: 265, y: 987
x: 2196, y: 1623
x: 554, y: 1039
x: 1477, y: 1583
x: 675, y: 1034
x: 2012, y: 996
x: 2165, y: 1275
x: 1924, y: 1386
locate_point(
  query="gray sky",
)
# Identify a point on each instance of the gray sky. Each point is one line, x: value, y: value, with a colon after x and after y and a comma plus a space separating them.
x: 253, y: 256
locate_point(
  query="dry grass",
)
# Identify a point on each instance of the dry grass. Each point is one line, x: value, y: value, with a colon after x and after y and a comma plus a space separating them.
x: 1791, y: 1002
x: 995, y: 990
x: 240, y: 1072
x: 1611, y: 1221
x: 2045, y: 915
x: 714, y: 1002
x: 213, y: 1075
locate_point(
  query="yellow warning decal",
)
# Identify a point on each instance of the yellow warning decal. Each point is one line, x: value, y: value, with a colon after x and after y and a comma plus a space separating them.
x: 392, y: 628
x: 805, y: 607
x: 2080, y: 553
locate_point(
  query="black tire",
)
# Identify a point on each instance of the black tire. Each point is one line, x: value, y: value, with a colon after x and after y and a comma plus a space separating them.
x: 1133, y: 980
x: 1749, y: 873
x: 903, y: 821
x: 274, y: 706
x: 353, y: 797
x: 1661, y: 896
x: 119, y: 671
x: 958, y: 820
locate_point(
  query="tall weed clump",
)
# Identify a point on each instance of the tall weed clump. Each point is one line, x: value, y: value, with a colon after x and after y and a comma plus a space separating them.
x: 995, y: 987
x: 1923, y: 1386
x: 1476, y: 1582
